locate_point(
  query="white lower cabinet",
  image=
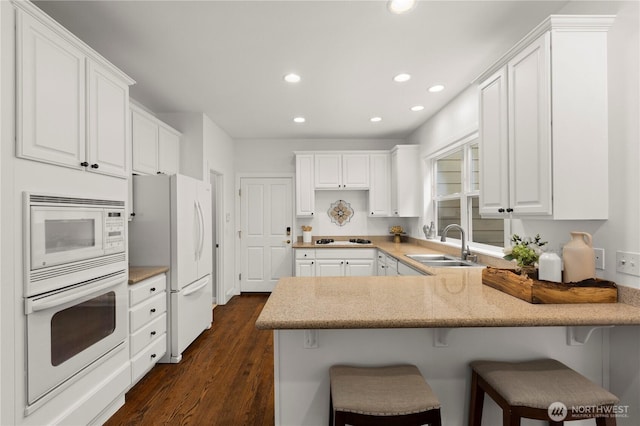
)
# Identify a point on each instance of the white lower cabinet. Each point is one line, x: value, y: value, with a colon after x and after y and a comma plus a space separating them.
x: 387, y: 265
x: 147, y: 324
x: 337, y: 262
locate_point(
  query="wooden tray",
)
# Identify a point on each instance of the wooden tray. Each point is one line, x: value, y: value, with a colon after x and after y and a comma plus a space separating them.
x: 535, y: 291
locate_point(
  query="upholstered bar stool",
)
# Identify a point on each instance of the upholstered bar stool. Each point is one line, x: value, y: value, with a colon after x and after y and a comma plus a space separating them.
x: 527, y: 390
x: 391, y: 395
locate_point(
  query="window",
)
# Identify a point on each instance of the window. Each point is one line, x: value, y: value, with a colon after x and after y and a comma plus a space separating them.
x: 456, y: 195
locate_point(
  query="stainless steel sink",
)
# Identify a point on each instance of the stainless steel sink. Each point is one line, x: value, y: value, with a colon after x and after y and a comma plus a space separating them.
x: 429, y: 257
x: 440, y: 260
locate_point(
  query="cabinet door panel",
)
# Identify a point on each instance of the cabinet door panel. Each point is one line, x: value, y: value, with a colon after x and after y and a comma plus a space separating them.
x: 145, y: 143
x: 50, y: 95
x: 530, y: 129
x: 380, y: 187
x: 305, y: 268
x: 494, y: 160
x: 108, y: 101
x: 359, y: 268
x: 328, y: 171
x: 305, y: 186
x: 168, y: 151
x: 329, y: 268
x: 355, y: 171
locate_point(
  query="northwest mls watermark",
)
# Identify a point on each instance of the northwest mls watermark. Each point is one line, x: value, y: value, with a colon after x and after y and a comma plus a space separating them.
x: 558, y: 411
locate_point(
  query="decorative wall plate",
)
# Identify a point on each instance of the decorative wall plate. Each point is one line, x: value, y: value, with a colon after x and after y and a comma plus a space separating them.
x: 340, y: 212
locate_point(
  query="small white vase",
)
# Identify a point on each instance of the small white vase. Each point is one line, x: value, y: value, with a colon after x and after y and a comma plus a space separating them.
x: 306, y: 236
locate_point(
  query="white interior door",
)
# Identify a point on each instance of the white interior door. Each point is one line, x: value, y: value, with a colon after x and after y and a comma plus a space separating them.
x: 266, y: 238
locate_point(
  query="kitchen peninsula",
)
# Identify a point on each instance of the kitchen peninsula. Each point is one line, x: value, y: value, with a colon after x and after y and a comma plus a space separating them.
x: 439, y: 322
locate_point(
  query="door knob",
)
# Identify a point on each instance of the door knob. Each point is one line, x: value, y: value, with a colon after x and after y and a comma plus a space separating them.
x: 287, y: 241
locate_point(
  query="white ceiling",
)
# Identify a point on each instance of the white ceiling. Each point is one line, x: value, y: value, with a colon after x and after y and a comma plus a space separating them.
x: 227, y: 58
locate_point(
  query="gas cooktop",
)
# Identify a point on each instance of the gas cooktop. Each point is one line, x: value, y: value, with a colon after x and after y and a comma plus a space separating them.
x: 331, y: 241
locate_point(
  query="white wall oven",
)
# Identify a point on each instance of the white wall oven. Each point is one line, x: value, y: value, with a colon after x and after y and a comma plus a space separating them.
x: 70, y: 239
x: 75, y: 289
x: 71, y: 330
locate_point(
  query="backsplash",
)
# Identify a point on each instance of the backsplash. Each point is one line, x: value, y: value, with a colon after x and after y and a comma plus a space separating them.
x: 359, y: 224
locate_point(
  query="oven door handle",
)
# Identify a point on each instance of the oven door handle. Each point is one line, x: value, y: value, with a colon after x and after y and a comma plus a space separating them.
x: 35, y: 305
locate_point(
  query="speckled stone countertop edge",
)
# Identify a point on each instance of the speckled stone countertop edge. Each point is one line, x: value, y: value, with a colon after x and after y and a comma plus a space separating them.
x: 141, y: 273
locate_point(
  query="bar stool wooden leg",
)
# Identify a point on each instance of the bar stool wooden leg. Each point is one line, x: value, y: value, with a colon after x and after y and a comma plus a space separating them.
x: 477, y: 401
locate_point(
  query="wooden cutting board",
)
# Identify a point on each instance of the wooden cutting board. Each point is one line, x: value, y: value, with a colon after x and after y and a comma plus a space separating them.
x: 535, y: 291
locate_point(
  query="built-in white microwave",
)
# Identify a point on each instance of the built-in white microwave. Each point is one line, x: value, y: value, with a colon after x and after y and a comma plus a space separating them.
x: 69, y: 240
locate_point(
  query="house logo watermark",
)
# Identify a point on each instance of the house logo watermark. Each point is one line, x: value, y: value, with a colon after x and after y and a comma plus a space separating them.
x: 558, y: 411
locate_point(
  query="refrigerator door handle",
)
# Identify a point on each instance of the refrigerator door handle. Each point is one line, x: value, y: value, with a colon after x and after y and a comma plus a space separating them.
x: 196, y: 230
x: 196, y: 287
x: 201, y: 215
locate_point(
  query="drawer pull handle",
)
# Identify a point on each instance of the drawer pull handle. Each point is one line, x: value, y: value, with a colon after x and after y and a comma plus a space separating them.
x: 153, y: 333
x: 153, y: 310
x: 152, y: 289
x: 153, y: 356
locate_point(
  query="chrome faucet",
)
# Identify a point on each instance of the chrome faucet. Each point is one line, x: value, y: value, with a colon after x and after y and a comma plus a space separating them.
x: 463, y: 253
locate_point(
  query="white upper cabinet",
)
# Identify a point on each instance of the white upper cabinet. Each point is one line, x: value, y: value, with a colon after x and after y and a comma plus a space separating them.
x: 355, y: 171
x: 380, y: 185
x: 71, y: 109
x: 406, y: 181
x: 341, y: 171
x: 544, y: 124
x: 305, y: 191
x: 168, y: 151
x: 494, y: 154
x: 144, y: 142
x: 156, y: 146
x: 108, y: 126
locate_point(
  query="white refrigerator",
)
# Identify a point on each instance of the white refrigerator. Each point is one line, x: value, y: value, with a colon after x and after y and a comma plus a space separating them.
x: 172, y: 227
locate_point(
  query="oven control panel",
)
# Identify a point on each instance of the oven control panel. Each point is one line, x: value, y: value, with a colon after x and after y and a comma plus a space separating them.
x: 113, y: 231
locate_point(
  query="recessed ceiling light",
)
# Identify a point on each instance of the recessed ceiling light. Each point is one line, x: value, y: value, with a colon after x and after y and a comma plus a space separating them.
x: 401, y: 78
x: 292, y: 78
x: 436, y: 88
x: 299, y: 120
x: 417, y: 108
x: 401, y: 6
x: 375, y: 119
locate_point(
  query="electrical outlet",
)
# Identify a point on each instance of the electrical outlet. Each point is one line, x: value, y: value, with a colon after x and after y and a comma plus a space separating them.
x: 628, y: 263
x: 599, y: 253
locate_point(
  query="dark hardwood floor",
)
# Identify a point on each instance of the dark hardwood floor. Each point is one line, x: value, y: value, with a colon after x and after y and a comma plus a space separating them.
x: 225, y: 376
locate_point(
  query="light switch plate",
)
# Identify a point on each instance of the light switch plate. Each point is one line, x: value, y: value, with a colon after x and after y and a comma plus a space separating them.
x: 599, y: 253
x: 628, y: 263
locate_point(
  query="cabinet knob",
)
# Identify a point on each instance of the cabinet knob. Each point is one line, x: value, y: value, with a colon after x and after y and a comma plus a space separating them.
x: 94, y: 166
x: 500, y: 210
x: 313, y: 263
x: 342, y: 263
x: 509, y: 210
x: 153, y: 333
x: 305, y: 255
x: 84, y: 164
x: 132, y: 214
x: 153, y: 356
x: 371, y: 213
x: 311, y: 213
x: 152, y: 289
x: 153, y: 310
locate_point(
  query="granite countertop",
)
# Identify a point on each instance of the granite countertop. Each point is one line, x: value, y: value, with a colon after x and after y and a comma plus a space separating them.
x: 140, y: 273
x: 453, y: 298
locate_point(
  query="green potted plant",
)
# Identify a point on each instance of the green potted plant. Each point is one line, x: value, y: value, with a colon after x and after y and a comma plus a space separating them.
x: 525, y: 252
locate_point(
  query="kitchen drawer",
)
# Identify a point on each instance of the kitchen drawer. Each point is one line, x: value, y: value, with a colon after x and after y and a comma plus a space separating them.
x: 346, y: 253
x: 305, y: 253
x: 146, y: 359
x: 146, y: 289
x: 147, y: 311
x: 147, y: 334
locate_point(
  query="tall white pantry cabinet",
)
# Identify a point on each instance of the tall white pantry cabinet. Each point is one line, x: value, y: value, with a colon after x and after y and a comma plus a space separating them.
x: 544, y: 125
